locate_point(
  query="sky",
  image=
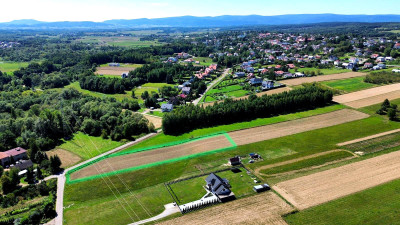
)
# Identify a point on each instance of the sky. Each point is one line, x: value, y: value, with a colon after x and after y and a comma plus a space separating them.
x: 100, y: 10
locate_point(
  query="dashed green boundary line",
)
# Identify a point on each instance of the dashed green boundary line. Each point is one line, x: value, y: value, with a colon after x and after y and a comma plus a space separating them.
x: 69, y: 181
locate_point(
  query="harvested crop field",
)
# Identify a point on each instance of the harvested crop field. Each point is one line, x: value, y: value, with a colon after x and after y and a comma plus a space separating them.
x: 270, y: 92
x: 265, y: 208
x: 152, y: 156
x: 369, y: 97
x: 117, y: 71
x: 67, y: 158
x: 157, y: 121
x: 318, y: 188
x: 340, y: 76
x: 257, y: 134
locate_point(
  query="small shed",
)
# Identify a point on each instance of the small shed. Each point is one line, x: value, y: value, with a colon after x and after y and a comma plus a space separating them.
x: 235, y: 161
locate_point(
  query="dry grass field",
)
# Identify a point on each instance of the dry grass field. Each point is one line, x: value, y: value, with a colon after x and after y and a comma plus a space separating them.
x: 265, y: 208
x: 257, y: 134
x: 369, y: 97
x: 67, y: 158
x: 117, y: 71
x: 157, y: 121
x: 340, y: 76
x: 318, y: 188
x: 152, y: 156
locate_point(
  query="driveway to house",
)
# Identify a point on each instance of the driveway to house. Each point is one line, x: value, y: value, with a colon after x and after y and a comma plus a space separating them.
x: 61, y: 178
x: 226, y: 72
x: 169, y: 210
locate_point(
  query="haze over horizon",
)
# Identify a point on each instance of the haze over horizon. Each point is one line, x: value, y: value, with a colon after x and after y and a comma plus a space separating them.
x: 101, y: 10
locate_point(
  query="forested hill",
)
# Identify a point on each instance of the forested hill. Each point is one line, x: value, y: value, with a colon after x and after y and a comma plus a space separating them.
x: 191, y: 21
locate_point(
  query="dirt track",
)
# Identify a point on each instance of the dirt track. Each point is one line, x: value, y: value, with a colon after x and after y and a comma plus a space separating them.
x: 339, y: 76
x: 265, y: 208
x: 318, y: 188
x: 240, y: 137
x: 146, y: 157
x: 369, y: 97
x: 257, y: 134
x: 113, y: 70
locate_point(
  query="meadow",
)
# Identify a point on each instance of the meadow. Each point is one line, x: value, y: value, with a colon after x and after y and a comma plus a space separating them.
x: 323, y: 71
x: 118, y: 97
x: 12, y: 66
x: 88, y: 146
x: 349, y: 85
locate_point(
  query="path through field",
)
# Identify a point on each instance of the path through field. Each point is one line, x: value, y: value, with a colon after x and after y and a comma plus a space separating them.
x: 369, y: 97
x: 321, y: 187
x: 339, y: 76
x: 241, y: 137
x: 265, y: 208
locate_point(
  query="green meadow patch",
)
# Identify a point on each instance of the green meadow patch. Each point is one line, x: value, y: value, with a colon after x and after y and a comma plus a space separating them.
x: 349, y: 85
x: 12, y: 66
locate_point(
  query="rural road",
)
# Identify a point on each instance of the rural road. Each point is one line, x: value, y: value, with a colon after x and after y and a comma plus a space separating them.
x: 61, y: 177
x: 226, y: 72
x: 169, y: 210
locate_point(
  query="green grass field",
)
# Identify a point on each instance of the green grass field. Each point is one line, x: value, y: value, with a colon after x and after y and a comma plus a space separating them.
x: 204, y: 61
x: 376, y: 144
x: 12, y: 66
x: 349, y: 85
x: 87, y: 146
x: 118, y: 97
x: 149, y: 87
x: 156, y: 113
x: 162, y: 138
x: 93, y: 199
x: 317, y: 161
x: 124, y: 65
x: 378, y: 205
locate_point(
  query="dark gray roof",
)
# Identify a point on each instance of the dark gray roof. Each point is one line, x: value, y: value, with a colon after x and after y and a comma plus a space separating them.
x: 218, y: 185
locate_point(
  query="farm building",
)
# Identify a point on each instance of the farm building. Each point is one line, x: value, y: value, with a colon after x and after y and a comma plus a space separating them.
x: 235, y: 161
x: 219, y: 187
x: 16, y: 153
x: 23, y: 164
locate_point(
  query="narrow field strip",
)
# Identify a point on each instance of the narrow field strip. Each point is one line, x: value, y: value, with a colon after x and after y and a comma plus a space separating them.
x: 318, y: 188
x: 272, y: 131
x: 368, y: 97
x: 340, y: 76
x: 266, y: 167
x: 155, y: 157
x: 369, y: 137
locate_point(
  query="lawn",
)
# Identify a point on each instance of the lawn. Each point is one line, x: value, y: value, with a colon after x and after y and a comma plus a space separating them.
x: 323, y: 71
x: 156, y: 113
x: 118, y: 97
x: 162, y: 138
x: 204, y: 61
x: 12, y: 66
x: 134, y: 44
x: 317, y: 161
x: 349, y: 85
x: 192, y: 189
x: 87, y: 146
x: 378, y: 205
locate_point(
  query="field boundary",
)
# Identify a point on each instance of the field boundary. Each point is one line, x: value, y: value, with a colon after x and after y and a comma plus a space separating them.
x: 368, y: 137
x: 69, y: 181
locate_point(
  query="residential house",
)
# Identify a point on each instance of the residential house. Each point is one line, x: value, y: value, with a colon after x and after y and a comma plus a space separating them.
x: 235, y: 161
x: 382, y: 66
x: 381, y: 59
x: 396, y: 46
x: 268, y: 84
x: 15, y: 153
x: 167, y: 107
x: 186, y: 90
x: 255, y: 81
x: 239, y: 75
x: 124, y: 75
x: 219, y: 187
x: 368, y: 65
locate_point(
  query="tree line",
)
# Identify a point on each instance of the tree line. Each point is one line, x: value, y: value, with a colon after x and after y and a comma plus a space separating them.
x: 190, y: 117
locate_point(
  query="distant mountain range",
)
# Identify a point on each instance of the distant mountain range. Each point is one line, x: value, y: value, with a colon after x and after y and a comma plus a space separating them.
x: 191, y: 21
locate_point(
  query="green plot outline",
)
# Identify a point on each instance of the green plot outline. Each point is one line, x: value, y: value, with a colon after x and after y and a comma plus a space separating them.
x: 126, y: 170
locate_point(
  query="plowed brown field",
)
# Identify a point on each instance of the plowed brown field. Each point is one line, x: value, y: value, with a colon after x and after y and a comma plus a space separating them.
x: 369, y: 97
x: 265, y: 208
x: 113, y: 70
x: 318, y: 188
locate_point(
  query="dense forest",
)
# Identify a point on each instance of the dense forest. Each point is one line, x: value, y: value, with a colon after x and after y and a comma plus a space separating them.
x: 192, y: 117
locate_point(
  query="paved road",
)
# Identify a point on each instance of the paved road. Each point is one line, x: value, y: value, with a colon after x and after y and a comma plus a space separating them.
x: 169, y: 210
x: 61, y: 177
x: 226, y: 72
